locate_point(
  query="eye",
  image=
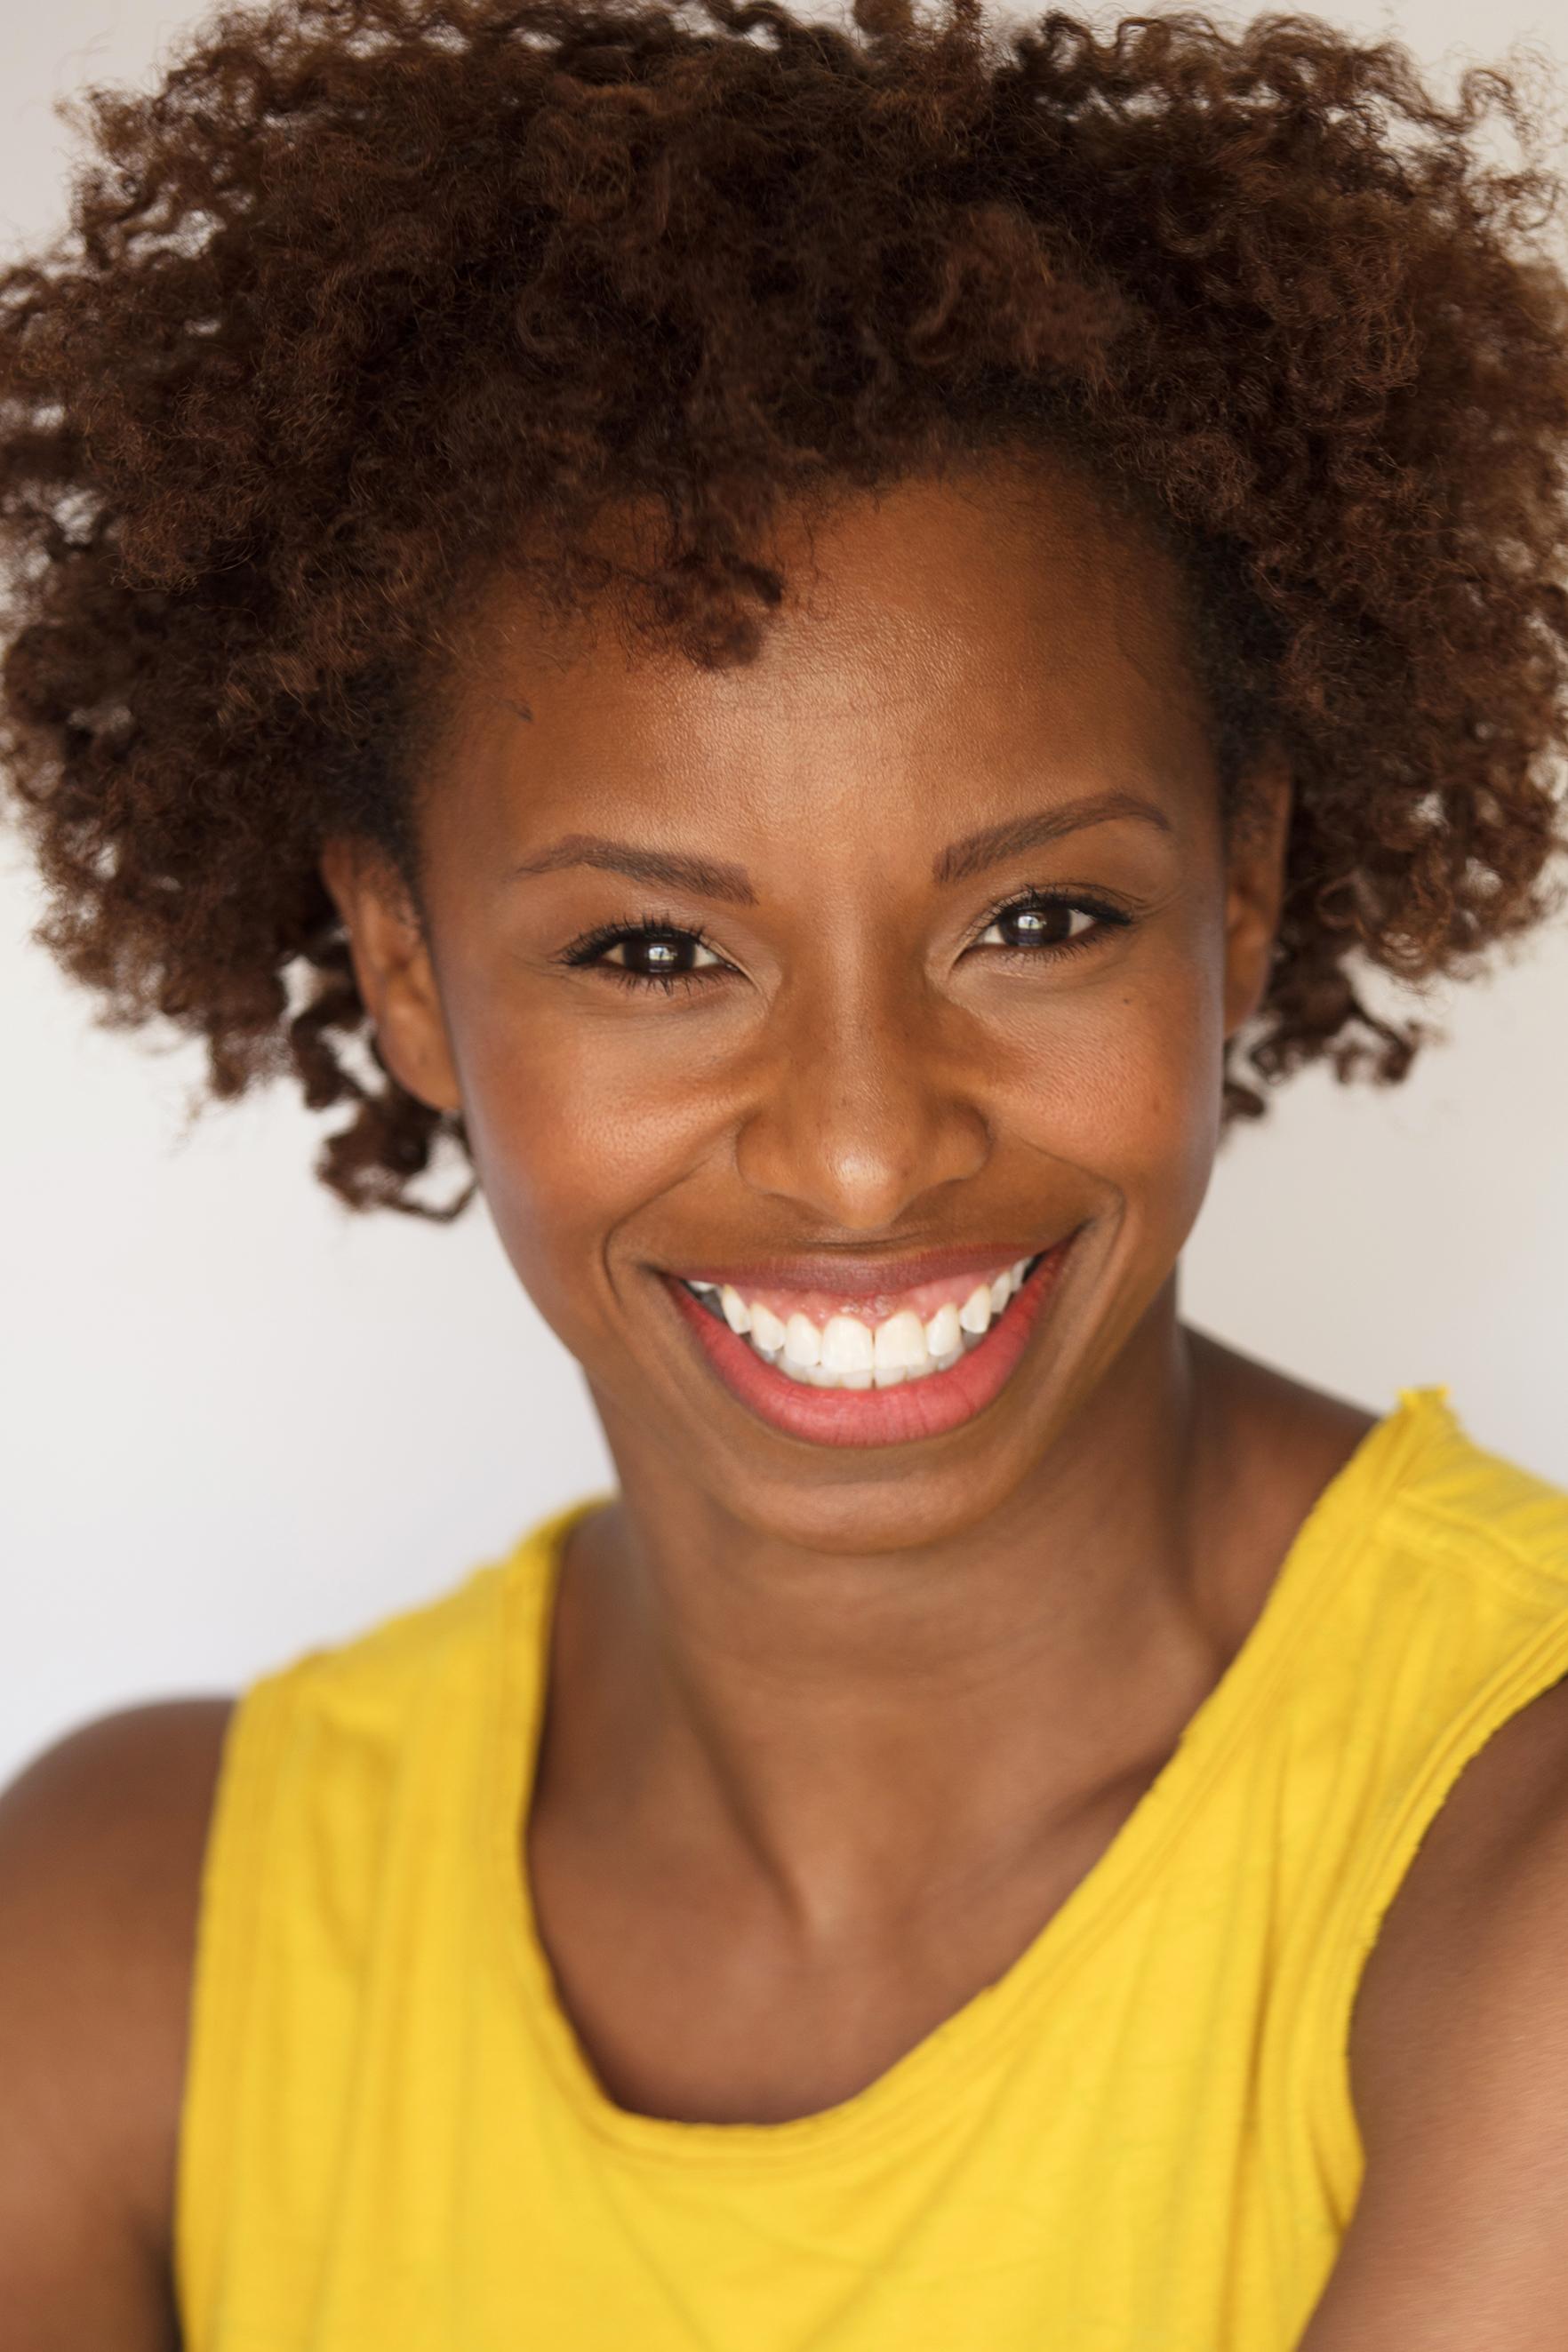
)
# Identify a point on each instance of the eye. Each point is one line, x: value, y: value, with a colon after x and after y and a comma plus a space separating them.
x: 1046, y: 923
x: 659, y: 955
x: 653, y: 953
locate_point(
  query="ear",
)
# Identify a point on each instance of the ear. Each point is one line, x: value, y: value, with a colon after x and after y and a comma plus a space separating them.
x: 392, y: 965
x: 1255, y: 885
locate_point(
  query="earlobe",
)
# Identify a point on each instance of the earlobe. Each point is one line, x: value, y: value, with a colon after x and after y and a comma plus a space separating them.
x: 394, y: 971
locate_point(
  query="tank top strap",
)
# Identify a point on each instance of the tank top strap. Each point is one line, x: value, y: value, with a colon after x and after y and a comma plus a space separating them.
x: 353, y: 1807
x: 220, y: 2050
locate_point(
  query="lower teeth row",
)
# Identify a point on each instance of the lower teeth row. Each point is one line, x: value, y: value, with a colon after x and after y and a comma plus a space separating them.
x: 814, y: 1376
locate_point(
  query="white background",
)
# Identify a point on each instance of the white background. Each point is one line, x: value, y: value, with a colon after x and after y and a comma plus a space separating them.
x: 236, y: 1422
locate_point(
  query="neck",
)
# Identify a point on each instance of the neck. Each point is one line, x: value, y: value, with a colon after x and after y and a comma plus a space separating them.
x: 860, y: 1733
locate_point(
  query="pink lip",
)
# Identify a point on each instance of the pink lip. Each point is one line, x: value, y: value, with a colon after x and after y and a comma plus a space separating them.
x: 924, y: 1408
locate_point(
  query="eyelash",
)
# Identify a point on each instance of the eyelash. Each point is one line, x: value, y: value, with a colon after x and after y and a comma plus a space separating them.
x: 592, y: 946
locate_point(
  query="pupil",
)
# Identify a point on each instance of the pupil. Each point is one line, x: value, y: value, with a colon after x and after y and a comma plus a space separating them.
x: 1039, y: 923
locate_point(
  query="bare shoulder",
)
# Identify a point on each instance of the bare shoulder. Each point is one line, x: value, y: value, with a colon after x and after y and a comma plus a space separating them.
x: 102, y: 1838
x: 1483, y: 1905
x: 1458, y: 2060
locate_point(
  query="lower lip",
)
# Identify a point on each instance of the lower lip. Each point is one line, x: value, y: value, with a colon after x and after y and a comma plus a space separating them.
x: 929, y: 1407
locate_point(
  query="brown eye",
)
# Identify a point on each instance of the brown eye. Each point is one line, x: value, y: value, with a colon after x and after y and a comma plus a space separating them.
x: 659, y: 955
x: 653, y: 953
x: 1044, y: 924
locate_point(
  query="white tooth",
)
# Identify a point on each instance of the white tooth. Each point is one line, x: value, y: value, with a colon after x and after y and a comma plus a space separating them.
x: 945, y: 1363
x: 846, y: 1347
x: 855, y: 1379
x: 974, y: 1315
x: 899, y: 1345
x: 889, y: 1376
x: 702, y: 1285
x: 1001, y: 1292
x: 736, y: 1312
x: 820, y: 1377
x: 802, y: 1342
x: 767, y: 1331
x: 1018, y: 1273
x: 943, y: 1332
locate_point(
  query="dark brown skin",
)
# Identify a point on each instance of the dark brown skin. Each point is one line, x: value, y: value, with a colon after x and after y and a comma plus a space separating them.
x: 869, y: 1716
x: 100, y: 1847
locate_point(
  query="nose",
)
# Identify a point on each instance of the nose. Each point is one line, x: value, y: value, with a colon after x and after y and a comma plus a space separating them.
x: 863, y: 1102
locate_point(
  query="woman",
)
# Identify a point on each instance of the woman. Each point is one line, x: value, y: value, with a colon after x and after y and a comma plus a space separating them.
x: 832, y: 645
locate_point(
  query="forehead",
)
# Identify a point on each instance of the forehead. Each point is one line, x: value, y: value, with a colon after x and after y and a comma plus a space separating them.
x: 956, y: 640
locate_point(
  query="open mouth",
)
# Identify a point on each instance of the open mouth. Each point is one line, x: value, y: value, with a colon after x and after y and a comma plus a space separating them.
x: 849, y: 1351
x: 910, y: 1366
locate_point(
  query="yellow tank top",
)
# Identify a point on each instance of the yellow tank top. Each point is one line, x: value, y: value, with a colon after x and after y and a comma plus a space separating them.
x: 1139, y: 2137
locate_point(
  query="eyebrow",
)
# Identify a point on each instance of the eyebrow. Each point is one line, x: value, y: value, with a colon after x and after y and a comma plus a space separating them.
x: 977, y: 851
x: 708, y: 878
x: 715, y: 878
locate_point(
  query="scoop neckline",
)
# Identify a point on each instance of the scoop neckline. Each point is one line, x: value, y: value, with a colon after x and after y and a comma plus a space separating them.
x: 1324, y: 1551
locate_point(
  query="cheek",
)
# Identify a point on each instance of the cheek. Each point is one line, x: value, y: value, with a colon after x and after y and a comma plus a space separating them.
x: 577, y: 1123
x: 1125, y: 1087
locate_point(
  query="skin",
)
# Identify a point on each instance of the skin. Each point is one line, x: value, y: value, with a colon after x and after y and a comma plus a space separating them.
x: 754, y: 1641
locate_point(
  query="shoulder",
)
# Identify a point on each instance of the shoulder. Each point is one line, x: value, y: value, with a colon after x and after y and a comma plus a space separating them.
x: 102, y: 1838
x: 1458, y: 2064
x: 1488, y: 1878
x: 1482, y: 1911
x: 1458, y: 1518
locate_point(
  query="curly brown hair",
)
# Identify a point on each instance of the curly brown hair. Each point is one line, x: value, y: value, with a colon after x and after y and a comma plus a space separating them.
x: 370, y: 300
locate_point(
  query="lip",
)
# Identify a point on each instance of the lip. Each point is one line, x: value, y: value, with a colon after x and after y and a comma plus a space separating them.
x: 914, y: 1410
x: 857, y: 1277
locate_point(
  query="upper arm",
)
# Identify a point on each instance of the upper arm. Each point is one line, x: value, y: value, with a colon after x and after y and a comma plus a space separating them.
x: 101, y: 1839
x: 1459, y: 2073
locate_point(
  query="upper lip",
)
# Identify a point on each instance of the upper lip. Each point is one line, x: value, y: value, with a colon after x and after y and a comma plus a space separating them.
x: 861, y: 1278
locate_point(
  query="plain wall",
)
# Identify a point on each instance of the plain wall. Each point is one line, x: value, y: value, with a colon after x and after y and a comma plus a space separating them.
x: 238, y: 1422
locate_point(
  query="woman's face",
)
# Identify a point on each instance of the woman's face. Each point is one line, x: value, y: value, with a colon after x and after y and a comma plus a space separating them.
x: 955, y: 945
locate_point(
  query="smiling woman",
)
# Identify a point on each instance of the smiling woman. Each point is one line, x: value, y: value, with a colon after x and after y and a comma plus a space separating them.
x: 811, y: 656
x: 781, y: 1076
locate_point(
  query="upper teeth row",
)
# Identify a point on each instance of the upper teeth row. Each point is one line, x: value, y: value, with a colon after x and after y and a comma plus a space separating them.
x: 896, y: 1349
